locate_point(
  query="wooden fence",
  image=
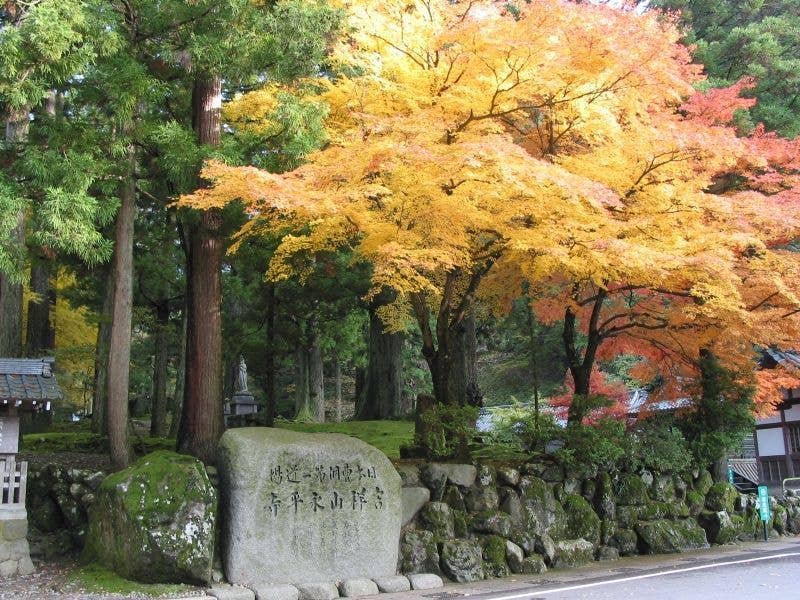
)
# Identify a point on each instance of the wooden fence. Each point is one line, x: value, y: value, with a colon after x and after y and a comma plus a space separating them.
x: 13, y: 482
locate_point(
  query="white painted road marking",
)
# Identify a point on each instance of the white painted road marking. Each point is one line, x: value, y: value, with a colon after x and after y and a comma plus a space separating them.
x: 584, y: 586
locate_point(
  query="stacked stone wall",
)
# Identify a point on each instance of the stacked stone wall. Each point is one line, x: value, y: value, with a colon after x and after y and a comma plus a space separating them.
x: 471, y: 522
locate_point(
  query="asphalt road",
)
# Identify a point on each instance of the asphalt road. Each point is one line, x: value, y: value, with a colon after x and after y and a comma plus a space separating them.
x: 775, y: 577
x: 752, y: 571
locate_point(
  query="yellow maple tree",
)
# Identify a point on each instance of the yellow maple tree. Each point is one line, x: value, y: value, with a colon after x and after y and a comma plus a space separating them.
x: 475, y: 151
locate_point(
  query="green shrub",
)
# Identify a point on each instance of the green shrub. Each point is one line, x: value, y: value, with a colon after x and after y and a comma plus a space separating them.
x: 657, y: 447
x: 591, y: 448
x: 519, y: 427
x: 447, y: 431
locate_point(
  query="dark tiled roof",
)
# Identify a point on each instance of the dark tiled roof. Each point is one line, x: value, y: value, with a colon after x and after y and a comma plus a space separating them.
x: 28, y: 380
x: 788, y: 359
x: 639, y: 401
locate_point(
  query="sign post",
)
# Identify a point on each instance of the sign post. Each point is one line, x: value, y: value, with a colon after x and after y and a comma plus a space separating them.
x: 763, y: 508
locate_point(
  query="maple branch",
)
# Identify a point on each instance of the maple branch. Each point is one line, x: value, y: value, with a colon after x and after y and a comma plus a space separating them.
x: 654, y: 163
x: 790, y: 313
x: 408, y: 53
x: 763, y: 302
x: 466, y: 12
x: 660, y: 323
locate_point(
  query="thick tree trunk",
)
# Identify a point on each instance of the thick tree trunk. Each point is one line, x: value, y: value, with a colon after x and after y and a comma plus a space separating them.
x: 202, y: 419
x: 180, y: 379
x: 101, y: 354
x: 120, y: 336
x: 316, y: 381
x: 11, y: 290
x: 158, y: 419
x: 302, y: 399
x: 382, y: 395
x: 11, y: 304
x: 337, y: 376
x: 581, y: 365
x: 269, y: 356
x: 39, y: 335
x: 462, y: 380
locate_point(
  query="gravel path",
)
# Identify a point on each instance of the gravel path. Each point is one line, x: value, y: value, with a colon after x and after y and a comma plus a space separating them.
x: 51, y: 581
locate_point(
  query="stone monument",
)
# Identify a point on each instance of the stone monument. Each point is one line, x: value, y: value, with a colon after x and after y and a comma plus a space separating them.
x: 300, y: 507
x: 242, y: 402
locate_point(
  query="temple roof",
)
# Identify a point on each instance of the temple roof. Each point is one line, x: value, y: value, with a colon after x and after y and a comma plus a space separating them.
x: 28, y: 383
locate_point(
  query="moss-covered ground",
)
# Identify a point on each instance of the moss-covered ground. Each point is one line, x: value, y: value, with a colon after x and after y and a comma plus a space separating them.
x: 388, y: 436
x: 95, y: 579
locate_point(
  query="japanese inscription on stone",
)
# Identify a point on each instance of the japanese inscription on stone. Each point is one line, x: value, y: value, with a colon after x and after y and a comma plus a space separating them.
x: 358, y: 490
x: 306, y: 507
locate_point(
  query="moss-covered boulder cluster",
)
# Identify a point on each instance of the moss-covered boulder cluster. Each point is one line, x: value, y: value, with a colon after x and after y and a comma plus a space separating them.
x: 490, y: 521
x: 154, y: 522
x: 58, y: 503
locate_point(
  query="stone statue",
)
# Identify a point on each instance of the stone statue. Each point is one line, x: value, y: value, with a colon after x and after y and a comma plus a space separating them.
x: 241, y: 377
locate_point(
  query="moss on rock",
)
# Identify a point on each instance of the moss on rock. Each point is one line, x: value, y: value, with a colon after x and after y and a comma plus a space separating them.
x: 721, y: 496
x: 581, y: 520
x: 631, y: 490
x: 154, y: 521
x: 494, y: 556
x: 664, y: 537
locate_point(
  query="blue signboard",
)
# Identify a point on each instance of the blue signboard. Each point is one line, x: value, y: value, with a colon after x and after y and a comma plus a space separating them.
x: 763, y: 503
x: 730, y: 475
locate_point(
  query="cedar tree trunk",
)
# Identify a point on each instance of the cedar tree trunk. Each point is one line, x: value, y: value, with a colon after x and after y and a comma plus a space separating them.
x: 202, y: 420
x: 120, y: 335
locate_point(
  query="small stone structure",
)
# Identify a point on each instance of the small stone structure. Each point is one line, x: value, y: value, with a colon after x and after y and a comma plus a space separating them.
x: 26, y: 385
x: 304, y: 508
x: 243, y: 402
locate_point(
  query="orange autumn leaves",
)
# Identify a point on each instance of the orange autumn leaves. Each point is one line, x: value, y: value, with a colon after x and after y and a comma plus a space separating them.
x: 474, y: 153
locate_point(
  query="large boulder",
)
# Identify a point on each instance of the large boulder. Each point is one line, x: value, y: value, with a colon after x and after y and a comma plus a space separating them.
x: 545, y: 512
x: 437, y: 517
x: 581, y: 520
x: 419, y: 552
x: 494, y: 556
x: 573, y: 553
x: 306, y: 507
x: 154, y: 521
x: 631, y: 490
x: 722, y: 496
x: 663, y: 537
x: 462, y: 560
x: 719, y: 527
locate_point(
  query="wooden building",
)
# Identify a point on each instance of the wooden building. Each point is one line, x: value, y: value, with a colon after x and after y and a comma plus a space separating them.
x: 777, y: 437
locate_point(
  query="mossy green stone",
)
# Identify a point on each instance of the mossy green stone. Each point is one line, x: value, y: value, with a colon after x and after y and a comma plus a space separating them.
x: 154, y: 521
x: 581, y: 520
x: 703, y: 482
x: 652, y: 511
x: 695, y: 501
x: 462, y: 523
x: 437, y: 517
x: 663, y: 536
x: 494, y: 556
x: 721, y: 496
x: 631, y: 490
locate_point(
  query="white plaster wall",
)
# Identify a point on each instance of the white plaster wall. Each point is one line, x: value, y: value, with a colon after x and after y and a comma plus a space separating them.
x: 767, y: 420
x: 770, y: 442
x: 793, y: 414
